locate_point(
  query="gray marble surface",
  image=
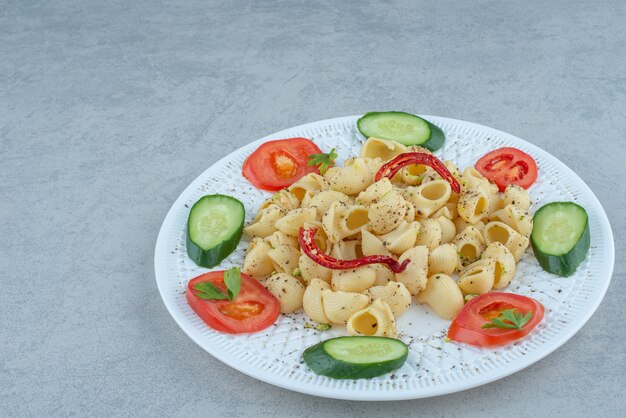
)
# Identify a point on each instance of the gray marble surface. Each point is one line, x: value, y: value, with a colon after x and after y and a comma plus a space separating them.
x: 109, y: 109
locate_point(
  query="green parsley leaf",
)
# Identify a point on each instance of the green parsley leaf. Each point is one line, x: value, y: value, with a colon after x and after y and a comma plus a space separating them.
x: 208, y: 291
x: 297, y: 272
x: 318, y: 327
x: 509, y: 319
x: 232, y: 280
x: 465, y: 261
x: 323, y: 161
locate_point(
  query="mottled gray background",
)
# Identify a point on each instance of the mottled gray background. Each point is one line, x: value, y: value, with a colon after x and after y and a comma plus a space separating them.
x: 108, y: 109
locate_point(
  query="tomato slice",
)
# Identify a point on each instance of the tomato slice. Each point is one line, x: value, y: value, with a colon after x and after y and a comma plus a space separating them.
x: 508, y: 165
x: 467, y: 327
x: 278, y: 164
x: 252, y: 310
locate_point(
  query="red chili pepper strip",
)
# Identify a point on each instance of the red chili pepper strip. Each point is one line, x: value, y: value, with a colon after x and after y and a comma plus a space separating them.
x: 390, y: 168
x: 307, y: 243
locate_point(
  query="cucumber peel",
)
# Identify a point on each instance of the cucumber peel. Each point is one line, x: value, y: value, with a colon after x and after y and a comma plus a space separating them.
x: 437, y: 138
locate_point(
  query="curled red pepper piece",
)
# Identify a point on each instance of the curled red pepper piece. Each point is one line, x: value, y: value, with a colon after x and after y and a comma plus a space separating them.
x: 390, y: 168
x: 307, y: 243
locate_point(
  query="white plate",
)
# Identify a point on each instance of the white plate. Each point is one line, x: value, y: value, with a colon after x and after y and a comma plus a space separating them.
x: 434, y: 367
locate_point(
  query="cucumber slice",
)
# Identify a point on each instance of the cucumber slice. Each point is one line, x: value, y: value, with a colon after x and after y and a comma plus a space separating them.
x: 401, y: 127
x: 214, y: 229
x: 356, y: 357
x: 560, y: 237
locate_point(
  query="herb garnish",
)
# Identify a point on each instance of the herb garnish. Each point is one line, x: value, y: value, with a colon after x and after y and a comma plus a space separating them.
x: 232, y: 280
x: 470, y: 296
x: 319, y: 327
x: 464, y: 260
x: 324, y: 161
x: 208, y: 291
x: 514, y: 320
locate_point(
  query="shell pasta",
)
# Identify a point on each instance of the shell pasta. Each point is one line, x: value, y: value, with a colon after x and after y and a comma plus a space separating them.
x: 375, y: 320
x: 443, y: 296
x: 455, y: 239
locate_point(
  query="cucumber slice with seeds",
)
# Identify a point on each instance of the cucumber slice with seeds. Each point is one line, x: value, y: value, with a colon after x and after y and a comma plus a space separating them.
x: 560, y: 237
x: 214, y: 229
x: 401, y: 127
x: 356, y: 357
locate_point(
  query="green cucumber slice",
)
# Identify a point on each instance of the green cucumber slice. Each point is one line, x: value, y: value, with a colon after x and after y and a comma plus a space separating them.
x: 402, y: 127
x: 560, y: 237
x: 214, y: 229
x: 356, y: 357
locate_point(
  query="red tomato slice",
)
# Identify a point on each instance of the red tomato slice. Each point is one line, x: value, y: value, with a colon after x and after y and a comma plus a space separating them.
x: 278, y: 164
x: 507, y: 165
x: 467, y: 326
x: 252, y: 310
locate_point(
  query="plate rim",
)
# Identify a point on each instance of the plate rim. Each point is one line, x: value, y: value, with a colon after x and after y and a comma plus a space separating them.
x: 406, y: 394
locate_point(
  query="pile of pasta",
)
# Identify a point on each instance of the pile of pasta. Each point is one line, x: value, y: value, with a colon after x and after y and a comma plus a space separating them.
x: 478, y: 233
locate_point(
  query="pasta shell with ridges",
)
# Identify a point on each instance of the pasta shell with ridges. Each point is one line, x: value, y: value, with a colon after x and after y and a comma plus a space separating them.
x: 375, y: 320
x: 312, y: 301
x: 505, y: 264
x: 395, y: 294
x: 478, y: 277
x: 443, y: 296
x: 415, y: 275
x: 339, y: 306
x: 288, y: 290
x: 354, y: 280
x: 291, y: 223
x: 443, y: 259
